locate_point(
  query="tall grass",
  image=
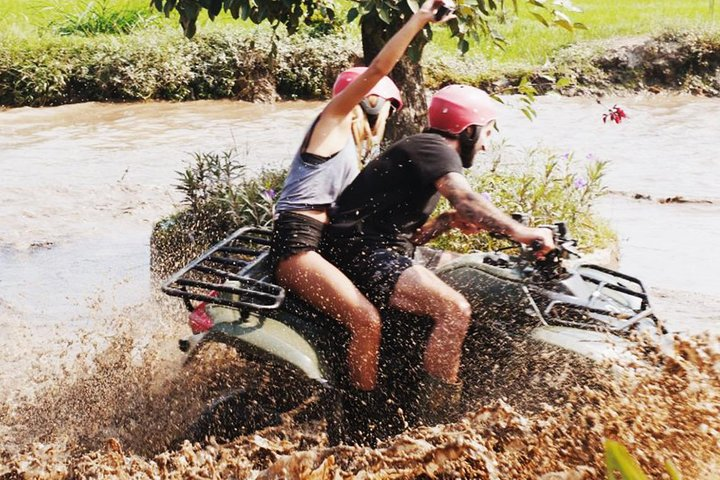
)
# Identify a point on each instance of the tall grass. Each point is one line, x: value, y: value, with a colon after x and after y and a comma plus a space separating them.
x: 23, y: 20
x: 97, y: 17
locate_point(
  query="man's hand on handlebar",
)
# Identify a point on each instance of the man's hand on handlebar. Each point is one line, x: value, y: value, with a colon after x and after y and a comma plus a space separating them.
x: 540, y: 240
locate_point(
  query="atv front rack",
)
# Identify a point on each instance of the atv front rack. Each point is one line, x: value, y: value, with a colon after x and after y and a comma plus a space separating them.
x: 217, y: 276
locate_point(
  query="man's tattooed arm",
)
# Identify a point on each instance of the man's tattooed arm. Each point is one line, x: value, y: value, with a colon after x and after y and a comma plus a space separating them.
x: 473, y: 208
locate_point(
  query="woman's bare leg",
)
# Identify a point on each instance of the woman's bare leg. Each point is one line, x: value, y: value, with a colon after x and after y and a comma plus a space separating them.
x: 326, y: 288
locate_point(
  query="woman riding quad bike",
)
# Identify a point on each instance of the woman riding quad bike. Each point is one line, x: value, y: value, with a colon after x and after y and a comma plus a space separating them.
x: 557, y: 302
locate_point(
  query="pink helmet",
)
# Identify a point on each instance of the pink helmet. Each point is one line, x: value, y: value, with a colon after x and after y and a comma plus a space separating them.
x: 385, y: 88
x: 454, y: 108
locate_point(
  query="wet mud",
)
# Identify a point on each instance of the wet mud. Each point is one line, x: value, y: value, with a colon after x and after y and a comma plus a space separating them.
x: 543, y: 415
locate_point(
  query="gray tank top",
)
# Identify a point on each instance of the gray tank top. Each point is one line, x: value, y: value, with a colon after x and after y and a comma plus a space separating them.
x: 309, y: 186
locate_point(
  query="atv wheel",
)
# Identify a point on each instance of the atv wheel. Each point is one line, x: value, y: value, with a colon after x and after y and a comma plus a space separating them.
x: 234, y: 414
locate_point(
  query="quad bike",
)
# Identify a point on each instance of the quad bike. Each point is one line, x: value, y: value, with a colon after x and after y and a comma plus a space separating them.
x: 586, y: 309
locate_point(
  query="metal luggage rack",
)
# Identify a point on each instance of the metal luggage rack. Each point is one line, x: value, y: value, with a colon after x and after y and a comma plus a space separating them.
x: 218, y: 275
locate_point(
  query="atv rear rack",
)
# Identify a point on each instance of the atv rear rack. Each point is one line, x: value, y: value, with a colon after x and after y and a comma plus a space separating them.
x: 217, y: 276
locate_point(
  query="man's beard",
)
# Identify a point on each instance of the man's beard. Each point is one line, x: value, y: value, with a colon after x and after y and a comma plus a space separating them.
x: 467, y: 155
x: 467, y: 146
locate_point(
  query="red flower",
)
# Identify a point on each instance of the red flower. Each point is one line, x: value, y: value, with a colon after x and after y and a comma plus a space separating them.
x: 615, y: 114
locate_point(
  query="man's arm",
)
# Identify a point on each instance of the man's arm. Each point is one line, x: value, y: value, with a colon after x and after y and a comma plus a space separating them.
x: 474, y: 210
x: 433, y: 227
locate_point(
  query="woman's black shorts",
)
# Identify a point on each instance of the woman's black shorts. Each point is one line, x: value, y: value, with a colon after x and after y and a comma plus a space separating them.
x: 294, y: 233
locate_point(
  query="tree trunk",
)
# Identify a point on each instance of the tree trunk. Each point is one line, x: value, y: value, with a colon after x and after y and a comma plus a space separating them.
x: 407, y: 74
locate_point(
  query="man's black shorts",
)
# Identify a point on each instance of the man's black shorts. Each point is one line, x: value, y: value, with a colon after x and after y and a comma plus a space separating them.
x: 374, y: 270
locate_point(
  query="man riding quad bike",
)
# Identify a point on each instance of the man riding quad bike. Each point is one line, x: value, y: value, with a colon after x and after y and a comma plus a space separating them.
x: 586, y: 309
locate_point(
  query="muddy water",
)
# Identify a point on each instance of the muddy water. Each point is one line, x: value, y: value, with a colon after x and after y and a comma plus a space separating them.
x: 81, y: 185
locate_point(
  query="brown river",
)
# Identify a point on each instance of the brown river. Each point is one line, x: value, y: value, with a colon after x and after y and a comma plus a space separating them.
x: 92, y: 383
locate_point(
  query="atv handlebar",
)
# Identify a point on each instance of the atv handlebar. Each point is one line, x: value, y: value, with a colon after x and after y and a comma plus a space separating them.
x: 551, y: 265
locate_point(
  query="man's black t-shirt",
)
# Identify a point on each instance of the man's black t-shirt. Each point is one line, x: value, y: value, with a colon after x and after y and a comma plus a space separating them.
x: 395, y: 193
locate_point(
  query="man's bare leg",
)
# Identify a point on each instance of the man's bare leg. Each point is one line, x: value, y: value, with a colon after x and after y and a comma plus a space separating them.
x: 421, y: 292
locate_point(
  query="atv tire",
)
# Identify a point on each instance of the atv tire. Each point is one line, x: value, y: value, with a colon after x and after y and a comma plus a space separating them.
x: 232, y: 415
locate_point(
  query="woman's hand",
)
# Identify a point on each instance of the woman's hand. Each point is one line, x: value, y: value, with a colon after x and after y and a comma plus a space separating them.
x: 433, y: 11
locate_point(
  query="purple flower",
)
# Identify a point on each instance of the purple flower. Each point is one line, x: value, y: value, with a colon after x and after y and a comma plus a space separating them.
x: 580, y: 183
x: 591, y: 157
x: 486, y: 196
x: 565, y: 155
x: 269, y: 194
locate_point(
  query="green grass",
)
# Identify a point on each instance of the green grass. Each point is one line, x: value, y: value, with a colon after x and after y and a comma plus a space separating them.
x: 23, y: 20
x: 530, y: 42
x: 41, y: 17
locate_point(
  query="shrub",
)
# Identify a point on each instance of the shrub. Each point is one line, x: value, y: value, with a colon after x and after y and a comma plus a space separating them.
x: 160, y: 64
x: 219, y: 197
x: 545, y: 185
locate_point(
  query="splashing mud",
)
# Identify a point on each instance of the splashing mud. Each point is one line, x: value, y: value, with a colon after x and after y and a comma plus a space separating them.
x: 124, y: 419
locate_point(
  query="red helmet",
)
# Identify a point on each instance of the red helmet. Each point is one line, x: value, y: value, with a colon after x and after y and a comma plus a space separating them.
x: 454, y: 108
x: 385, y: 88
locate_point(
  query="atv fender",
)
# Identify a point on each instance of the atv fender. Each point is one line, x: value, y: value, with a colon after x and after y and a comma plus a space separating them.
x: 260, y: 334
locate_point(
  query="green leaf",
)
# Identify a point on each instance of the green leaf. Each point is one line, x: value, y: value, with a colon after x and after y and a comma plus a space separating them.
x: 579, y: 26
x: 563, y: 82
x: 352, y: 14
x: 464, y: 46
x: 538, y: 3
x: 561, y: 16
x: 481, y: 7
x: 540, y: 18
x: 244, y: 9
x: 529, y: 113
x: 618, y: 459
x: 235, y: 9
x: 384, y: 14
x: 215, y: 8
x: 672, y: 471
x: 169, y: 6
x: 414, y: 5
x: 564, y: 24
x: 158, y: 5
